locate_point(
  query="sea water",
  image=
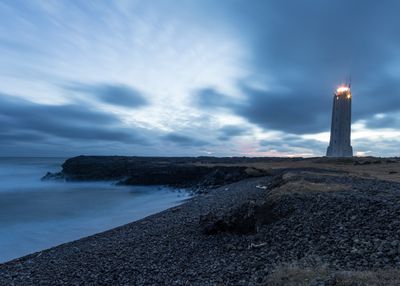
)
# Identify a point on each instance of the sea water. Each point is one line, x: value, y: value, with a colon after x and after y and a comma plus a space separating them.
x: 35, y: 215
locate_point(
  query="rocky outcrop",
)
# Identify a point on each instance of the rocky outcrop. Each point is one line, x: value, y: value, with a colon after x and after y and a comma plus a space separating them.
x: 176, y: 172
x: 347, y: 222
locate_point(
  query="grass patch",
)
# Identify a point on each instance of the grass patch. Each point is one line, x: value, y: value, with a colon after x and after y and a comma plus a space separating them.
x: 293, y: 184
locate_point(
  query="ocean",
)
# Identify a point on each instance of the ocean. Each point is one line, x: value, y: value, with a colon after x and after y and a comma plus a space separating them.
x: 36, y: 215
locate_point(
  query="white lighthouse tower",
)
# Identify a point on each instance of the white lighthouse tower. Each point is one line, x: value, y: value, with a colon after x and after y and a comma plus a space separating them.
x: 340, y: 144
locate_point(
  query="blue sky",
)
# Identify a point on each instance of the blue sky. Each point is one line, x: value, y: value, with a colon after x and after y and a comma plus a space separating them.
x: 185, y: 77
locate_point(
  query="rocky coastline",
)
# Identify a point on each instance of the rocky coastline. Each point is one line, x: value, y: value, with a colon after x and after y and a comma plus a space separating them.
x: 193, y: 173
x: 309, y: 222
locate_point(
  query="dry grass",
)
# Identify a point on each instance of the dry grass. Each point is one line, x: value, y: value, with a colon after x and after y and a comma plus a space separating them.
x: 257, y: 172
x: 294, y: 275
x: 296, y: 185
x: 386, y: 169
x: 383, y: 171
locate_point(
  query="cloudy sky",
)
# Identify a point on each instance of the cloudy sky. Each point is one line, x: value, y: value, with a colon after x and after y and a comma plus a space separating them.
x: 196, y: 77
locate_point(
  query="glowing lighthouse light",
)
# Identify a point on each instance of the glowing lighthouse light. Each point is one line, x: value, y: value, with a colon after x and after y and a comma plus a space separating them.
x: 343, y: 89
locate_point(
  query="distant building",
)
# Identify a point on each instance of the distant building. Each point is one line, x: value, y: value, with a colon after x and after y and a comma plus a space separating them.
x: 340, y: 144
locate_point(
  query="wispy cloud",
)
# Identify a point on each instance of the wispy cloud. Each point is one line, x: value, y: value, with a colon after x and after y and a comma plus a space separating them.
x: 184, y: 140
x: 114, y: 94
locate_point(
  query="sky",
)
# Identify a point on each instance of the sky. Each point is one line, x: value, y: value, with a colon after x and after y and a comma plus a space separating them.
x: 196, y: 77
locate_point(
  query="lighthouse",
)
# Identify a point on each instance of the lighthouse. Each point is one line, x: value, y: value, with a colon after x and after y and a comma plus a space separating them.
x: 340, y: 144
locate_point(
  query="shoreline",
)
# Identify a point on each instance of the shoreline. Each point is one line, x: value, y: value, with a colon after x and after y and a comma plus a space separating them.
x: 316, y: 224
x: 150, y: 227
x: 64, y: 212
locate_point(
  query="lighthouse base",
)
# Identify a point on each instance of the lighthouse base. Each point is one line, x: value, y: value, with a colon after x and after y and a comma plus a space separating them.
x: 346, y: 151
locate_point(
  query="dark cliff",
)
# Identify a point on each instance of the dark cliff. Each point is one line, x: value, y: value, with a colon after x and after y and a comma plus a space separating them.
x: 173, y: 171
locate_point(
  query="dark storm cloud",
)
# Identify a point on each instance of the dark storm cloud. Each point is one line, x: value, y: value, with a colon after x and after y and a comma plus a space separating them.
x: 388, y: 120
x: 12, y: 137
x: 289, y: 111
x: 287, y: 142
x: 283, y: 110
x: 229, y: 131
x: 381, y: 97
x: 306, y: 48
x: 326, y: 39
x: 183, y: 140
x: 25, y: 120
x: 210, y: 98
x: 114, y: 94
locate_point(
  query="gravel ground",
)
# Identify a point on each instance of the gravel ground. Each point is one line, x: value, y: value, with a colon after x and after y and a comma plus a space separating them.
x: 347, y: 223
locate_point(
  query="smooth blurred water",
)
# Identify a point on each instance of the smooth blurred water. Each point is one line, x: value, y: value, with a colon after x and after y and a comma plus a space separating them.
x: 36, y: 215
